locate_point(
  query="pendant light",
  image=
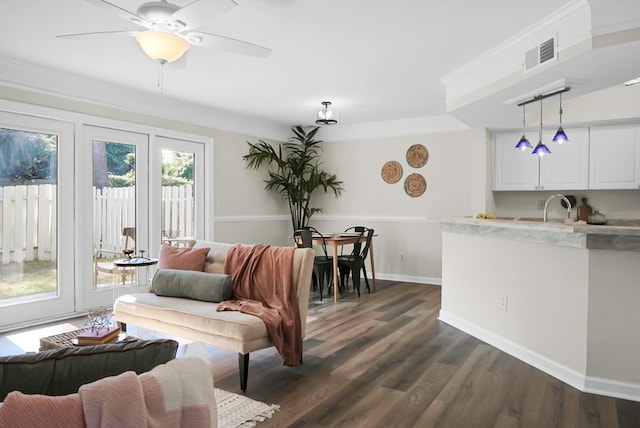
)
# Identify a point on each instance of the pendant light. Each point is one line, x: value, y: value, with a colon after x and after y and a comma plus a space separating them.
x: 541, y: 149
x: 324, y: 116
x: 560, y: 136
x: 523, y: 144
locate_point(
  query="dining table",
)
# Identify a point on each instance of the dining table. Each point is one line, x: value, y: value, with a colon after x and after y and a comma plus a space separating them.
x: 339, y: 239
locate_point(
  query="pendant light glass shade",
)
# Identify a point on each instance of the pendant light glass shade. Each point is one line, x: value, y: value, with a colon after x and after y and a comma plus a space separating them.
x: 523, y: 144
x: 324, y: 116
x: 560, y: 136
x: 541, y: 149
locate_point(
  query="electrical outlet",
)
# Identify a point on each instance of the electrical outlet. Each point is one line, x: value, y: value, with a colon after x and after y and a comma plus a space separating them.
x: 541, y: 204
x: 401, y: 257
x: 504, y: 300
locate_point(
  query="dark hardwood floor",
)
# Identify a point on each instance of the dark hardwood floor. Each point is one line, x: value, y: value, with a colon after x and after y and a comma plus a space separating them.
x: 384, y: 360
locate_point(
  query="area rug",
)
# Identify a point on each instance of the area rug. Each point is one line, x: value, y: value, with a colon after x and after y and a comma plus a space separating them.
x: 238, y: 411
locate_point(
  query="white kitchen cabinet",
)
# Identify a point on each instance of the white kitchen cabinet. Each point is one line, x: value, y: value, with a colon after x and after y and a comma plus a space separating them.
x: 514, y: 169
x: 615, y: 157
x: 566, y: 168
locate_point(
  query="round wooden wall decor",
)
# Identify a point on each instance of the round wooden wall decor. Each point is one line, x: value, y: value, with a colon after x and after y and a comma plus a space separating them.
x: 391, y: 172
x: 417, y: 155
x: 415, y: 185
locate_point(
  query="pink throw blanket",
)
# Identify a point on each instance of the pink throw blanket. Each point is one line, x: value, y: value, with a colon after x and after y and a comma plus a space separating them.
x: 263, y: 286
x: 177, y: 394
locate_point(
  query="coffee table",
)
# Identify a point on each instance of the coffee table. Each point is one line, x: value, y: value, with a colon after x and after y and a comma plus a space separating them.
x: 68, y: 339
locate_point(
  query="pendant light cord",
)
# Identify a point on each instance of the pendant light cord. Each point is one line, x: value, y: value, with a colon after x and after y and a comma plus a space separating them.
x: 560, y: 108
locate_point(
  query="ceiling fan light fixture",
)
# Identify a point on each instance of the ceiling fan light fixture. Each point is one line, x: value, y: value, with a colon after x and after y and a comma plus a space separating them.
x: 324, y: 116
x: 162, y: 47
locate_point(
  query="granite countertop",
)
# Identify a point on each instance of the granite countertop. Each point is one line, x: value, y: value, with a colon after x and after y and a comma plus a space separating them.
x: 619, y: 235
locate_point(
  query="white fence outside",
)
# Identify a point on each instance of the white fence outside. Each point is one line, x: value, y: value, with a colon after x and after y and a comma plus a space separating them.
x: 28, y: 218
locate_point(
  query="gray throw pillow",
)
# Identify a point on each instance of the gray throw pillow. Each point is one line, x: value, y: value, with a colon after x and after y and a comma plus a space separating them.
x: 208, y: 287
x: 63, y: 371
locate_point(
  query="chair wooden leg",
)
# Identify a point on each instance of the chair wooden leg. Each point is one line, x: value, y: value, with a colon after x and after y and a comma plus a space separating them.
x: 243, y: 369
x: 122, y: 326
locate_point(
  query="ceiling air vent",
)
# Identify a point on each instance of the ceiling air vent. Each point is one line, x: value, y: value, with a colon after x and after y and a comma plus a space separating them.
x: 540, y: 54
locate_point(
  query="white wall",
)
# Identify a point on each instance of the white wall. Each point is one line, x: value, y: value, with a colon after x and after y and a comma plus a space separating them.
x: 546, y: 316
x: 457, y: 176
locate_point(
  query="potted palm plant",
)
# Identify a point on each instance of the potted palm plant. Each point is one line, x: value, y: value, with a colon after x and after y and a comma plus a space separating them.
x: 295, y: 171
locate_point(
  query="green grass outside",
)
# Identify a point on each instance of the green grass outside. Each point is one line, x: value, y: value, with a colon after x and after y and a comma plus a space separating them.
x: 28, y: 278
x: 36, y: 277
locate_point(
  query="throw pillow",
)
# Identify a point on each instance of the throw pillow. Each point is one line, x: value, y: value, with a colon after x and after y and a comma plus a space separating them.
x: 62, y: 371
x: 208, y: 287
x: 184, y: 258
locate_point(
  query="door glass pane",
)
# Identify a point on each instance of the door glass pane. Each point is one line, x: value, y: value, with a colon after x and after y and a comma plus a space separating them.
x: 178, y: 190
x: 28, y: 216
x: 114, y: 210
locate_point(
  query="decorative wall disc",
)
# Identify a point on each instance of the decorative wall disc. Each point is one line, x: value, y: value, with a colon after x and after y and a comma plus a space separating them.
x: 391, y: 172
x: 415, y: 185
x: 417, y: 155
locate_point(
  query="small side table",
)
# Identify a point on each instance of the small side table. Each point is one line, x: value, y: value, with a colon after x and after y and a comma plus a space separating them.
x: 135, y: 262
x: 68, y: 339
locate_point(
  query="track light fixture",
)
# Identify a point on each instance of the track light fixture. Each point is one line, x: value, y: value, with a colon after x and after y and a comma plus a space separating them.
x: 541, y: 149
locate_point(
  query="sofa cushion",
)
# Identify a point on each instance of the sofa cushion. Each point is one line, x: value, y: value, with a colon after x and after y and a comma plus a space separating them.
x: 217, y: 255
x: 184, y: 258
x: 209, y: 287
x: 63, y: 371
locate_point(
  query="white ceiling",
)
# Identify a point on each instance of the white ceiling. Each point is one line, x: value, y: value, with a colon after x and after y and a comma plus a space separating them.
x: 375, y: 60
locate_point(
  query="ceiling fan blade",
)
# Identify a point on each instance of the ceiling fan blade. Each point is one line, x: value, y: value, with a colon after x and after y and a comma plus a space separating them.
x: 200, y: 12
x: 99, y: 33
x: 227, y: 44
x: 129, y: 16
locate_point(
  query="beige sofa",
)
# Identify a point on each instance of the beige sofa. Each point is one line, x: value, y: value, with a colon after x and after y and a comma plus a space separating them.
x: 199, y: 320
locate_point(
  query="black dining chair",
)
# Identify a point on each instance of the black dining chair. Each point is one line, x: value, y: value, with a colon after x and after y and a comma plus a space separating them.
x: 323, y: 263
x: 354, y: 262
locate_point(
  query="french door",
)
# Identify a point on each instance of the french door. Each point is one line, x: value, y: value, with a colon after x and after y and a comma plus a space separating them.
x: 112, y: 188
x: 36, y: 219
x: 140, y: 190
x: 178, y: 187
x: 75, y: 197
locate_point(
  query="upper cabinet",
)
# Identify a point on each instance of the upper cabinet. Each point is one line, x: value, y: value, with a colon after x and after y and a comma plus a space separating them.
x: 615, y: 157
x: 513, y: 169
x: 566, y: 168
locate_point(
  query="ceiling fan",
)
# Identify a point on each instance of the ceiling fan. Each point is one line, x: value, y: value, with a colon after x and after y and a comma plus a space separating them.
x: 170, y: 30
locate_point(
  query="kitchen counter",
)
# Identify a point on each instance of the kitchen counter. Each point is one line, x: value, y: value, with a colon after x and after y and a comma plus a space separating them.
x: 617, y: 235
x: 561, y: 297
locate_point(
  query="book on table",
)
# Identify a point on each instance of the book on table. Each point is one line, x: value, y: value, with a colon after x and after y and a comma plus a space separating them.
x: 98, y: 336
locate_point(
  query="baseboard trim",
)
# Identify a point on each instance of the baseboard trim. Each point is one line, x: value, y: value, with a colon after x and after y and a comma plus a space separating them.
x: 612, y: 388
x: 407, y: 278
x: 608, y: 387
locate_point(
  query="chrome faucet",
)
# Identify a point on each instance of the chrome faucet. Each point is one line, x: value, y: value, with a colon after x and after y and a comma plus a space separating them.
x: 546, y: 204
